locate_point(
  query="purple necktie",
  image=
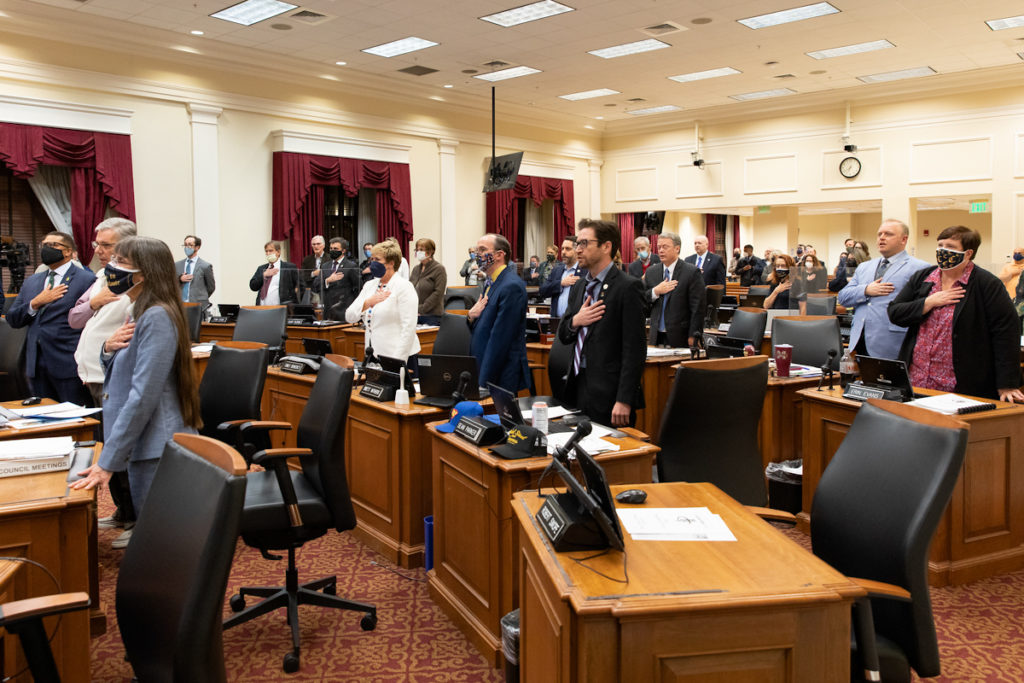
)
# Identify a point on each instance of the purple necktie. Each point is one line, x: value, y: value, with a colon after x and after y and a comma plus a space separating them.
x: 266, y: 286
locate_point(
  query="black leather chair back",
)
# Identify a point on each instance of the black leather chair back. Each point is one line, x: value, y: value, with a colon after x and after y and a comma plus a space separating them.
x: 264, y: 325
x: 820, y: 304
x: 709, y: 427
x: 759, y: 290
x: 457, y: 298
x: 714, y: 294
x: 170, y: 587
x: 322, y: 429
x: 876, y: 509
x: 453, y: 337
x: 749, y: 324
x: 232, y: 387
x: 194, y: 318
x: 811, y: 337
x: 13, y: 384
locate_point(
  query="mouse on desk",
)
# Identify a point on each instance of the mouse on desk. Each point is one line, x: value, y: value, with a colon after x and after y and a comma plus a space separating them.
x: 31, y: 401
x: 632, y: 496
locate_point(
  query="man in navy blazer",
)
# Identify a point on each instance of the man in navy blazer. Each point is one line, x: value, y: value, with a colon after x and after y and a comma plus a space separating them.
x: 873, y: 286
x: 708, y: 263
x: 43, y: 305
x: 276, y: 282
x: 498, y: 319
x: 562, y: 277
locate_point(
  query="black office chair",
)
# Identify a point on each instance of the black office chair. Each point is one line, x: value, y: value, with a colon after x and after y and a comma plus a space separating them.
x: 264, y: 324
x: 759, y: 290
x: 748, y: 324
x: 709, y: 426
x: 231, y: 392
x: 194, y: 318
x: 284, y: 508
x: 13, y: 383
x: 874, y: 513
x: 820, y: 304
x: 811, y: 336
x: 454, y: 337
x: 714, y: 294
x: 459, y: 298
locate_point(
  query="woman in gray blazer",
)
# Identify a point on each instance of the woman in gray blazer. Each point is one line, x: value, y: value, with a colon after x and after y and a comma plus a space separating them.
x: 150, y: 388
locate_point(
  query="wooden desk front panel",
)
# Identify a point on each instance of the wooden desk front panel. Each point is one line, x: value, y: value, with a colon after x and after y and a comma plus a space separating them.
x: 210, y: 332
x: 284, y: 398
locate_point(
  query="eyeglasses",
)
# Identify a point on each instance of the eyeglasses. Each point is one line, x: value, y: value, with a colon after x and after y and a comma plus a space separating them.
x: 105, y: 245
x: 55, y: 245
x: 583, y: 244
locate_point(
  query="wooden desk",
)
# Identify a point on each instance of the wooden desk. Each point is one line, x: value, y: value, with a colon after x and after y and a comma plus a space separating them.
x: 82, y: 430
x: 475, y: 575
x: 351, y: 341
x: 777, y: 614
x: 213, y: 332
x: 982, y: 531
x: 42, y: 520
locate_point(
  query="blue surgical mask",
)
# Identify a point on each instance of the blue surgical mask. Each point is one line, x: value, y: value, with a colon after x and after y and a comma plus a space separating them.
x: 189, y: 251
x: 1018, y: 256
x: 119, y: 280
x: 366, y: 253
x: 643, y: 254
x: 377, y: 269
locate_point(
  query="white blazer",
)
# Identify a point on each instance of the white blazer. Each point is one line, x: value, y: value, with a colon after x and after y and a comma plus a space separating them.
x: 391, y: 330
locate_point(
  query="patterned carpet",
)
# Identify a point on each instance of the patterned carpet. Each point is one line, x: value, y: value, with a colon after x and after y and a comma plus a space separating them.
x: 980, y: 626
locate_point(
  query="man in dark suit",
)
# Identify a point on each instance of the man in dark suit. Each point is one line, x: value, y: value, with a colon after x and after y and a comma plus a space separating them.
x: 604, y: 325
x: 498, y: 318
x: 749, y: 267
x: 645, y: 258
x: 276, y: 282
x: 340, y: 283
x: 531, y: 274
x: 562, y: 277
x: 676, y: 290
x: 42, y: 306
x: 194, y: 274
x: 708, y: 262
x: 310, y: 273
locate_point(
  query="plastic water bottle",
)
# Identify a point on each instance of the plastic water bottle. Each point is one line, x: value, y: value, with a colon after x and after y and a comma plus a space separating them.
x: 847, y: 369
x: 540, y: 416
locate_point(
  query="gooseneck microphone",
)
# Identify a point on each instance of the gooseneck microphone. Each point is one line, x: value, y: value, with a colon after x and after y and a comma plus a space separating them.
x: 583, y: 428
x: 460, y: 392
x: 826, y: 369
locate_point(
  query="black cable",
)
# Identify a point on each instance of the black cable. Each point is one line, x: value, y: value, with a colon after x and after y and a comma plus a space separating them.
x: 581, y: 560
x: 56, y: 585
x: 395, y: 571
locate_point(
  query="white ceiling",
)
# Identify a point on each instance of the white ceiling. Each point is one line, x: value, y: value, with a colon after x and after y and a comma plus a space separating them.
x: 950, y: 36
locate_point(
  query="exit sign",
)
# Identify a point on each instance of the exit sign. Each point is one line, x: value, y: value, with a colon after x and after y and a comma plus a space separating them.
x: 764, y: 209
x: 979, y: 207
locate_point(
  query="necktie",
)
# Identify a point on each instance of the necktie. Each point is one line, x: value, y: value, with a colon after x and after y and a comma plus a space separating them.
x: 582, y: 335
x: 700, y: 263
x: 334, y: 269
x: 50, y: 279
x: 664, y: 302
x: 487, y: 285
x: 266, y: 286
x: 188, y: 271
x: 882, y: 267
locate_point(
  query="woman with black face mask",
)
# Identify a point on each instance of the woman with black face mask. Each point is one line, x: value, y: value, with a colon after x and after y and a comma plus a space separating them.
x: 962, y: 330
x: 781, y: 281
x: 387, y: 306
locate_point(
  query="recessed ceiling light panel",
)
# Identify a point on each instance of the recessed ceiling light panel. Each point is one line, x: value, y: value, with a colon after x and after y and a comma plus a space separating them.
x: 789, y: 15
x: 526, y: 13
x: 897, y: 75
x: 702, y: 75
x: 400, y: 47
x: 253, y: 11
x: 664, y: 109
x: 1008, y: 22
x: 587, y: 94
x: 505, y: 74
x: 851, y: 49
x: 629, y: 48
x: 763, y: 94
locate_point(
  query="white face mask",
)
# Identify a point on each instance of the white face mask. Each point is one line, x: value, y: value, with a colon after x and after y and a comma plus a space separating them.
x: 271, y: 258
x: 421, y: 255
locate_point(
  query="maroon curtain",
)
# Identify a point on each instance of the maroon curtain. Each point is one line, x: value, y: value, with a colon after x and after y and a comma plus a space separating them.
x: 101, y: 175
x: 503, y: 210
x: 311, y: 219
x: 296, y: 174
x: 710, y: 222
x: 736, y: 232
x: 626, y: 228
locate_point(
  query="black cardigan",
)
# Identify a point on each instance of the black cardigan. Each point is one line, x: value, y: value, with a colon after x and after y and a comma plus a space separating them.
x: 986, y: 345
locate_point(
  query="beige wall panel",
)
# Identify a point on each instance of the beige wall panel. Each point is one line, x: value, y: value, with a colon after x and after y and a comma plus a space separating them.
x: 775, y: 173
x: 636, y: 184
x: 937, y: 161
x: 692, y: 182
x: 870, y: 172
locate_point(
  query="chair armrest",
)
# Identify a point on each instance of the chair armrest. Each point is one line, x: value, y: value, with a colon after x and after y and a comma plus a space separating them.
x: 264, y: 426
x: 34, y: 608
x: 232, y: 425
x: 272, y: 454
x: 879, y: 589
x: 773, y: 515
x: 275, y: 459
x: 635, y: 433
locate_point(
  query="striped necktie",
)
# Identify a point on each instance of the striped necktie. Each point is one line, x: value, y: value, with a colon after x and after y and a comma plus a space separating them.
x: 582, y: 335
x: 188, y: 271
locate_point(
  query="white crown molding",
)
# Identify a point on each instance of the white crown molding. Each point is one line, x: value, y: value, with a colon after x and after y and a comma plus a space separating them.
x: 203, y: 113
x: 58, y: 114
x: 546, y: 169
x: 334, y: 146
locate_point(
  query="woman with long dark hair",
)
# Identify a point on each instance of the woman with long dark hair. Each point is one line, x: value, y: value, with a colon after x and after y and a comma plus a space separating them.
x: 151, y: 386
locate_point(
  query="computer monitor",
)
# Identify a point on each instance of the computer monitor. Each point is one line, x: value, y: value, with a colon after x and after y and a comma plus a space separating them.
x: 507, y: 406
x: 887, y: 374
x: 440, y: 375
x: 306, y: 312
x: 229, y: 311
x: 395, y: 366
x: 317, y: 347
x: 595, y: 498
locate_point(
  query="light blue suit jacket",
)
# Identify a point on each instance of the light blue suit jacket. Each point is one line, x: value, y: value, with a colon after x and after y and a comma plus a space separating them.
x: 871, y: 314
x: 140, y: 407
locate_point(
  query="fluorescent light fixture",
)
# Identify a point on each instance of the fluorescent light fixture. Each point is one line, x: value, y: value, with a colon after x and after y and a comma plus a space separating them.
x: 400, y: 47
x: 253, y: 11
x: 897, y: 75
x: 702, y: 75
x: 505, y: 74
x: 196, y: 33
x: 448, y: 85
x: 851, y: 49
x: 587, y: 94
x: 186, y: 48
x: 786, y: 16
x: 763, y: 94
x: 655, y: 110
x: 629, y: 48
x: 340, y: 63
x: 437, y: 98
x: 589, y: 127
x: 1008, y: 22
x: 531, y: 12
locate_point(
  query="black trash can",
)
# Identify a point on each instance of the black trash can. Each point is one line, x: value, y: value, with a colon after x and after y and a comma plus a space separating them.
x: 510, y: 645
x: 785, y: 487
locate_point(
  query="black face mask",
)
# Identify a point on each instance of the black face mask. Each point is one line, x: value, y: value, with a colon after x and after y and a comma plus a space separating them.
x: 51, y: 255
x: 335, y: 254
x: 119, y: 280
x: 782, y: 273
x: 551, y: 257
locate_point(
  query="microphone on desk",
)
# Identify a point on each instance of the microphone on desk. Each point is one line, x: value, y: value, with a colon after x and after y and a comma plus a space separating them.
x: 583, y: 428
x: 460, y: 392
x: 698, y: 344
x: 826, y: 369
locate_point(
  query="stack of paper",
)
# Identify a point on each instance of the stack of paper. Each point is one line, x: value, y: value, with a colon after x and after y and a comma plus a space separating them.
x: 554, y: 412
x: 659, y: 352
x: 674, y: 524
x: 591, y: 444
x: 30, y: 456
x: 950, y: 404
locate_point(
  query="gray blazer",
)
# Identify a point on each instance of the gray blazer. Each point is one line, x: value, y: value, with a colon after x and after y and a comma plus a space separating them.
x: 140, y: 406
x: 202, y: 281
x: 871, y: 314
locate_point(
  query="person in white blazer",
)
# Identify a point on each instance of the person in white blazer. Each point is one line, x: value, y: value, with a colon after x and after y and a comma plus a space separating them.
x: 387, y: 306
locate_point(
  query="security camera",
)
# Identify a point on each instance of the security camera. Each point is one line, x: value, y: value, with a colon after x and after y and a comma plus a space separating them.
x: 699, y: 163
x: 850, y: 148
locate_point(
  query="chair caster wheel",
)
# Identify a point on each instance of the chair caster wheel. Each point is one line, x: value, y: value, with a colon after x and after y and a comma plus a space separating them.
x: 368, y: 622
x: 291, y: 663
x: 237, y: 602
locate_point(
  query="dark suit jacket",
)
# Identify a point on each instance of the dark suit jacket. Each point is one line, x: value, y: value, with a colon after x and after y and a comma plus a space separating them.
x: 499, y: 334
x: 986, y: 342
x: 532, y: 276
x: 714, y: 268
x: 338, y: 296
x: 636, y: 268
x: 50, y: 341
x: 307, y: 268
x: 615, y: 346
x: 288, y: 283
x: 686, y: 303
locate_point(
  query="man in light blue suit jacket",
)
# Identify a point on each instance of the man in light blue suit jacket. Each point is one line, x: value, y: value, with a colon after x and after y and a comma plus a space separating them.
x: 873, y: 286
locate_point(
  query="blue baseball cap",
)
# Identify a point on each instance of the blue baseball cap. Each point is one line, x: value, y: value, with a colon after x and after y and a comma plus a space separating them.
x: 462, y: 409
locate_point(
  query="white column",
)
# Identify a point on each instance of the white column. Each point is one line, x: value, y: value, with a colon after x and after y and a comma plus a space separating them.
x: 448, y: 247
x: 206, y: 184
x: 594, y: 167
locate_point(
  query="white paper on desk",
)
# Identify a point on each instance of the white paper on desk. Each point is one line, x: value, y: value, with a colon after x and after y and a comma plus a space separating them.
x: 28, y: 449
x: 796, y: 370
x: 49, y: 420
x: 202, y: 348
x: 658, y: 352
x: 947, y: 404
x: 591, y: 444
x: 554, y: 412
x: 674, y: 524
x: 44, y: 410
x: 427, y: 327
